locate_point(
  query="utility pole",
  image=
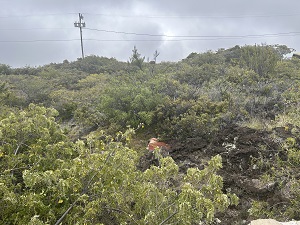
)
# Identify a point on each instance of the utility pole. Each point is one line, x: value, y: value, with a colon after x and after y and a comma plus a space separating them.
x: 80, y: 24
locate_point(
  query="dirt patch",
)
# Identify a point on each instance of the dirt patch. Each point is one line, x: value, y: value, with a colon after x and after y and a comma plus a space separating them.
x: 241, y: 149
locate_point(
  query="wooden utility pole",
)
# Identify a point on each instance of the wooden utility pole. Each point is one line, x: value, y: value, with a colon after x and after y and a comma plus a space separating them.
x: 80, y: 24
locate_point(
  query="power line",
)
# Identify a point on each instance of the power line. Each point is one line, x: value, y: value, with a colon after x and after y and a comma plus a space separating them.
x: 200, y: 38
x: 81, y: 25
x: 36, y: 28
x: 36, y: 15
x: 195, y: 16
x: 29, y: 41
x: 219, y: 16
x: 122, y: 32
x: 185, y: 39
x: 295, y: 33
x: 196, y: 36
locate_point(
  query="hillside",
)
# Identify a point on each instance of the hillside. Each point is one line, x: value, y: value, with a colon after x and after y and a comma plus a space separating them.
x: 73, y: 138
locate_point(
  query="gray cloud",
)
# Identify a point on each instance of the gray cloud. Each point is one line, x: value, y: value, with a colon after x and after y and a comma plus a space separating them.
x: 210, y: 20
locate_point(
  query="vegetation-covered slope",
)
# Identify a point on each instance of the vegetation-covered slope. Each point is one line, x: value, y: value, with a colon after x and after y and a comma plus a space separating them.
x: 66, y: 143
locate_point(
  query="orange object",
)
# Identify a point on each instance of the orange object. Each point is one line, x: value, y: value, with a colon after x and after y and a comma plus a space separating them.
x: 154, y: 143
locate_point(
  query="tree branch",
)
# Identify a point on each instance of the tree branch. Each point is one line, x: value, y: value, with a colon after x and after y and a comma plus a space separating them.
x: 17, y: 149
x: 169, y: 217
x: 121, y: 211
x: 66, y: 212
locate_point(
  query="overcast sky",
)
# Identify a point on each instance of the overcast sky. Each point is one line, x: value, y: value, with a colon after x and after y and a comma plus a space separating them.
x: 38, y: 32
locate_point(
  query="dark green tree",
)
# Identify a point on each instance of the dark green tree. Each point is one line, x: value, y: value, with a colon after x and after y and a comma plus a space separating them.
x: 5, y: 69
x: 260, y: 58
x: 136, y: 59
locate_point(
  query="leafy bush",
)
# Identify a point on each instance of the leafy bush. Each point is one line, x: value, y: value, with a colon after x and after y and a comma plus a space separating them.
x: 182, y: 119
x: 45, y: 179
x: 284, y: 171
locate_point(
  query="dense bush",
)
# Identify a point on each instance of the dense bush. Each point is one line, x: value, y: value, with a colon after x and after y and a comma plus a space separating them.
x: 46, y: 179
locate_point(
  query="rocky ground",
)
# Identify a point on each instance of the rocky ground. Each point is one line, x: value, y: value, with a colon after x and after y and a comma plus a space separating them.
x: 239, y: 147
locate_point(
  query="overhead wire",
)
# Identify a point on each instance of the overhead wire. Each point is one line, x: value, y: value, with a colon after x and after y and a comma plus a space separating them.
x: 195, y: 36
x: 37, y: 28
x: 37, y: 40
x: 35, y: 15
x: 166, y: 37
x: 161, y: 35
x: 219, y: 16
x: 148, y: 40
x: 194, y: 16
x: 171, y: 37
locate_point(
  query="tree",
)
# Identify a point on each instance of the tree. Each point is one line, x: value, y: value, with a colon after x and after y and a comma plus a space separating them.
x: 262, y: 59
x: 155, y: 55
x: 136, y: 58
x: 283, y: 50
x: 5, y: 69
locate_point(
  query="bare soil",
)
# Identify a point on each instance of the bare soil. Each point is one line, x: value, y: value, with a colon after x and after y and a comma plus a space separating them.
x: 241, y: 149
